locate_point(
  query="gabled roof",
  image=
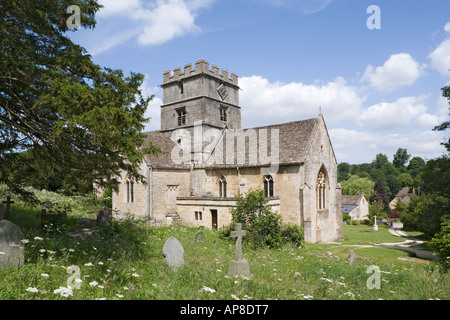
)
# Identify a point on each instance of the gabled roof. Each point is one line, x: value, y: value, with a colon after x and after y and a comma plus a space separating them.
x: 350, y: 199
x: 295, y: 139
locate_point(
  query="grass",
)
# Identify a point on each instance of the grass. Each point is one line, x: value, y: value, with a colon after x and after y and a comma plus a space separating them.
x: 127, y: 263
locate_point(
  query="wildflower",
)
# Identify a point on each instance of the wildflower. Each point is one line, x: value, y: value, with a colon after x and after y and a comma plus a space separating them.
x: 89, y: 264
x: 205, y: 288
x: 119, y: 295
x: 235, y: 297
x: 38, y: 238
x: 24, y: 241
x: 63, y: 291
x: 45, y: 275
x: 93, y: 283
x: 100, y: 263
x: 31, y: 289
x: 154, y: 285
x: 101, y: 298
x: 71, y: 250
x: 126, y: 288
x: 136, y: 275
x: 350, y: 294
x: 329, y: 280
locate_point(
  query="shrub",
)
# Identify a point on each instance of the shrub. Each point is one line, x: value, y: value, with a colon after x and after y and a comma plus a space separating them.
x: 346, y: 217
x: 292, y: 233
x: 440, y: 245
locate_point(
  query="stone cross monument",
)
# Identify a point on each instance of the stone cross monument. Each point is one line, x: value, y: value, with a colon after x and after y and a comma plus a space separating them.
x: 375, y: 226
x: 239, y: 266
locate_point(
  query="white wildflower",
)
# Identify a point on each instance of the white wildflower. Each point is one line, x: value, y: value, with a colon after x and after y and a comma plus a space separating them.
x: 89, y: 264
x: 25, y: 241
x: 136, y: 275
x: 235, y: 297
x: 45, y: 275
x: 63, y: 291
x: 38, y: 238
x: 31, y: 289
x: 205, y: 288
x: 93, y: 283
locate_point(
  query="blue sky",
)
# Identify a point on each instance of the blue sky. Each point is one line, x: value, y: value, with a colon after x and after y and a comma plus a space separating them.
x: 379, y: 89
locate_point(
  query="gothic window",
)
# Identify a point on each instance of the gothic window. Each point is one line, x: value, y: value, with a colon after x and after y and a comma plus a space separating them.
x: 268, y: 186
x: 130, y: 190
x: 222, y: 187
x: 321, y: 190
x: 181, y: 116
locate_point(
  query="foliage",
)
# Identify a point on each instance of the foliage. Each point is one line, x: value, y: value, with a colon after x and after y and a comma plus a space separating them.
x: 69, y: 114
x: 292, y: 233
x: 354, y: 185
x: 346, y: 218
x: 263, y: 226
x: 400, y: 158
x: 446, y: 124
x: 440, y: 244
x: 380, y: 195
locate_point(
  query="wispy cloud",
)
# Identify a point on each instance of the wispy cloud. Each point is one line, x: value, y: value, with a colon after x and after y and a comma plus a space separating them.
x: 304, y: 6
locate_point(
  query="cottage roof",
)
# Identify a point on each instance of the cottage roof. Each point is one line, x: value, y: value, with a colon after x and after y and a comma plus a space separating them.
x: 350, y: 200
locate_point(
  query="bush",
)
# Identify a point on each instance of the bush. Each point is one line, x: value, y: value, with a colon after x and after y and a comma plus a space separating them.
x: 292, y: 233
x: 347, y: 218
x: 263, y: 226
x: 440, y: 245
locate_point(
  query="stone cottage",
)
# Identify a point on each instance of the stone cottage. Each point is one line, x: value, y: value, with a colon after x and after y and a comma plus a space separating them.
x: 355, y: 206
x: 209, y: 159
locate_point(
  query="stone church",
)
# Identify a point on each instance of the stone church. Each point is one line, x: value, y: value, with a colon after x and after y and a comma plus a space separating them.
x: 208, y: 159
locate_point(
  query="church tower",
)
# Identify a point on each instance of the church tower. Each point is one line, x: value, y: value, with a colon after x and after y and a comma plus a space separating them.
x: 200, y: 94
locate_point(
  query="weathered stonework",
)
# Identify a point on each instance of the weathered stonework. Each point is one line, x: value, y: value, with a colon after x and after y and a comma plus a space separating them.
x: 188, y: 183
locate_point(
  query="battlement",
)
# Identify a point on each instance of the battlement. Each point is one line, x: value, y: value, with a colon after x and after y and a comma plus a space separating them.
x: 201, y: 67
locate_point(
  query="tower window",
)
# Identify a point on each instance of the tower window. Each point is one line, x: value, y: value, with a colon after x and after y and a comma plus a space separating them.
x: 223, y: 114
x: 181, y: 116
x: 130, y: 190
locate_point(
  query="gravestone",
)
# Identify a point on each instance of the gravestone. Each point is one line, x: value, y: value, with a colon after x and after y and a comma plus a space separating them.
x: 173, y: 253
x: 351, y: 257
x: 238, y: 267
x: 104, y: 217
x: 198, y: 237
x: 375, y: 226
x: 12, y: 251
x: 1, y: 211
x: 8, y: 203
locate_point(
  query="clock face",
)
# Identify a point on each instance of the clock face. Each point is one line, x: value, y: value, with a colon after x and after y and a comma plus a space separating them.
x: 222, y: 92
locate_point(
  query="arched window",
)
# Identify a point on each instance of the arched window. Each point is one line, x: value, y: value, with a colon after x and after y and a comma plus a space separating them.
x: 130, y: 190
x: 321, y: 190
x: 268, y: 186
x: 222, y: 187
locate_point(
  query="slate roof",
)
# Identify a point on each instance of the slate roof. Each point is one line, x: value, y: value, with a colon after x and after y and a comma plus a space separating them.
x: 350, y: 199
x: 294, y: 142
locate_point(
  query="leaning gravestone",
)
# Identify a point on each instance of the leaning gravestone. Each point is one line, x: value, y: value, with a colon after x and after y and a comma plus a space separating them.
x: 351, y: 257
x: 104, y: 217
x: 12, y: 251
x: 198, y: 237
x: 174, y: 253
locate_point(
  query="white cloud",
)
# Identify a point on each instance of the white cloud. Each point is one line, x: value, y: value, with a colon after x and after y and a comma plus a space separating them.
x: 393, y: 115
x: 447, y: 27
x: 264, y: 102
x: 440, y: 58
x: 153, y: 110
x: 149, y: 22
x: 398, y: 71
x: 304, y: 6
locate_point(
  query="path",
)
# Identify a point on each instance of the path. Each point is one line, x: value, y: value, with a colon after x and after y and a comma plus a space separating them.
x: 407, y: 245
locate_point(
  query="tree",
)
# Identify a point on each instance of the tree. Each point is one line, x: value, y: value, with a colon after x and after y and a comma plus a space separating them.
x: 446, y: 124
x: 380, y: 160
x: 400, y: 158
x: 415, y: 166
x: 57, y: 105
x: 380, y: 195
x: 406, y: 180
x: 355, y: 185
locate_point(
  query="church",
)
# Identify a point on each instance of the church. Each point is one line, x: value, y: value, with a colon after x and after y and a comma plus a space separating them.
x: 208, y: 159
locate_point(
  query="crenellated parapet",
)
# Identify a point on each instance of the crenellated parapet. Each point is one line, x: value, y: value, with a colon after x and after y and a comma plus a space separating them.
x: 201, y: 68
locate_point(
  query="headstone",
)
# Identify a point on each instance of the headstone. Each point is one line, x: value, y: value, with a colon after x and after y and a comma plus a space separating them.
x: 8, y: 203
x: 198, y: 237
x: 351, y: 257
x: 239, y: 266
x: 173, y: 253
x: 83, y: 234
x: 12, y: 251
x: 397, y: 225
x: 104, y: 217
x: 375, y: 226
x: 1, y: 211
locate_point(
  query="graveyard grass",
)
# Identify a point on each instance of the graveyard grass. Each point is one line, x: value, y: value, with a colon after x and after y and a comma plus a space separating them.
x: 128, y: 264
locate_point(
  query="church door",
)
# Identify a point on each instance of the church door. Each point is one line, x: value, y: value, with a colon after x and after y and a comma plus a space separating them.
x: 214, y: 219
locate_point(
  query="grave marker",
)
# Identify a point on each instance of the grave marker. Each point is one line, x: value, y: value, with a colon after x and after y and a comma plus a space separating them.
x: 12, y: 251
x: 173, y: 253
x: 239, y: 266
x: 8, y: 203
x: 198, y: 237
